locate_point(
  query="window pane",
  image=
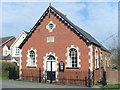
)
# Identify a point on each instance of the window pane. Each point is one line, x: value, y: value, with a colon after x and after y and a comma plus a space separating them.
x: 72, y: 65
x: 76, y: 65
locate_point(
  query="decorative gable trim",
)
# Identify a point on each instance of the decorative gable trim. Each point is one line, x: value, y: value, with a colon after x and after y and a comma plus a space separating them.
x: 61, y: 17
x: 18, y: 38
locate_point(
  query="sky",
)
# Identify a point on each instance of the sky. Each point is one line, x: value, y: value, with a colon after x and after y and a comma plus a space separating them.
x: 100, y: 19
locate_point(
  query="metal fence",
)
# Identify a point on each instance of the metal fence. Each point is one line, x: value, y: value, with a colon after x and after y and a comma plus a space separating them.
x: 69, y: 77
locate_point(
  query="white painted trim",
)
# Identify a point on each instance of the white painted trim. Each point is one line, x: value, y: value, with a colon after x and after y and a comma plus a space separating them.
x: 91, y: 57
x: 44, y: 64
x: 68, y: 58
x: 47, y: 26
x: 96, y: 57
x: 28, y: 58
x: 18, y: 38
x: 20, y: 64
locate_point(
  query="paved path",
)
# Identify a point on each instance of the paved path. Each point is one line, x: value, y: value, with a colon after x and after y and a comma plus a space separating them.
x: 25, y: 84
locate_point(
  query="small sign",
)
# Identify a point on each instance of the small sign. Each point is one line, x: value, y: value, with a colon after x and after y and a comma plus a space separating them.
x: 61, y: 66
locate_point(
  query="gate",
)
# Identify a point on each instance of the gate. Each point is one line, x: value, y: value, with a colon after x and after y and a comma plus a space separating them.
x: 13, y: 73
x: 90, y: 82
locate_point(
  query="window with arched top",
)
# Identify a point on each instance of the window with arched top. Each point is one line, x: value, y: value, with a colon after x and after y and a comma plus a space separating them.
x: 31, y: 61
x: 96, y: 59
x: 73, y: 57
x: 32, y: 56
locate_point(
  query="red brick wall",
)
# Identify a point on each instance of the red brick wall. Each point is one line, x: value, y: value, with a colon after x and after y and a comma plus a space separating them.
x: 64, y: 37
x: 113, y: 76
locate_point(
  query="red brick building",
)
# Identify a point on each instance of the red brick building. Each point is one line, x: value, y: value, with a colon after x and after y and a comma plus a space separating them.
x: 55, y: 43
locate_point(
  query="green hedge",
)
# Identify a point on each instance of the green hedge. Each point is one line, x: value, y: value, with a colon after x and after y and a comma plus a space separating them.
x: 4, y: 68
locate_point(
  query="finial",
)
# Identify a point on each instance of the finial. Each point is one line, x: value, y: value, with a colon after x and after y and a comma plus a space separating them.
x: 49, y: 4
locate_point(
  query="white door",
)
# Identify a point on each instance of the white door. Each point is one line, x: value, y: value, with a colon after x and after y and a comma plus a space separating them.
x: 51, y: 67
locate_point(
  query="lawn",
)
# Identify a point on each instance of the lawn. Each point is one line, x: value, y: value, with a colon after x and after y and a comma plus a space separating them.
x: 112, y: 86
x: 3, y: 77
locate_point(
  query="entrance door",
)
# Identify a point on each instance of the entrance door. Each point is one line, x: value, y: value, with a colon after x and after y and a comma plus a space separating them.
x: 51, y: 67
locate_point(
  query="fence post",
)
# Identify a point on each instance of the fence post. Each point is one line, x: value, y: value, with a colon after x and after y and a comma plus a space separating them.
x: 39, y: 75
x: 89, y: 78
x: 104, y: 78
x: 93, y: 77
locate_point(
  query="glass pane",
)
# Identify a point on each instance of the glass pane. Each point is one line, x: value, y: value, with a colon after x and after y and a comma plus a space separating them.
x: 72, y: 65
x: 76, y: 65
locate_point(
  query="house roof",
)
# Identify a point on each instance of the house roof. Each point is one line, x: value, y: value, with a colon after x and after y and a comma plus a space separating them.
x: 8, y: 46
x: 17, y: 39
x: 86, y: 36
x: 4, y: 40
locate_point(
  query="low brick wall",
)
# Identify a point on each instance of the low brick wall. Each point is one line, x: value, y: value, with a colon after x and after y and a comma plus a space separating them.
x: 96, y: 76
x: 113, y: 76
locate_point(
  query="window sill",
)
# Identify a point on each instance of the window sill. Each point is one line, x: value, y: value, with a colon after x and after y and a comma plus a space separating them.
x: 16, y: 54
x: 31, y: 66
x: 97, y: 69
x: 72, y: 67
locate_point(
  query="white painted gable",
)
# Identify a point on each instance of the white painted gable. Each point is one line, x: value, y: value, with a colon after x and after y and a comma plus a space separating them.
x: 15, y: 51
x: 6, y: 51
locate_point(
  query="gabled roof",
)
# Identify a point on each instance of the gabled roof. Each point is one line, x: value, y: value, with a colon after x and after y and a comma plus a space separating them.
x: 8, y: 46
x: 23, y: 32
x: 86, y: 36
x: 5, y: 40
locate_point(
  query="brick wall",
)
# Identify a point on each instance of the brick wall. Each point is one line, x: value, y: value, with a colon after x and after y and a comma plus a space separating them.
x: 113, y: 76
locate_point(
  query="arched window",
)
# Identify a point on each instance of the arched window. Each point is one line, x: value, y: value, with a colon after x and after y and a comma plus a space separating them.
x: 73, y: 57
x: 32, y: 56
x: 96, y: 59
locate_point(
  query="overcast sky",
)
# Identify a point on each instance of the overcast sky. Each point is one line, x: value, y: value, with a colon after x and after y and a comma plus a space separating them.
x: 100, y: 19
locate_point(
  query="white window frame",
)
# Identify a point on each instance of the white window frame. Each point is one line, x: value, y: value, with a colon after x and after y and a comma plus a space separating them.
x: 29, y: 62
x: 17, y: 51
x: 49, y: 29
x: 68, y: 60
x: 5, y: 52
x: 96, y: 59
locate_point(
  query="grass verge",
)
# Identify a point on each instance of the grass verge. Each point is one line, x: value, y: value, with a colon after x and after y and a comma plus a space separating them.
x: 112, y: 86
x: 4, y: 77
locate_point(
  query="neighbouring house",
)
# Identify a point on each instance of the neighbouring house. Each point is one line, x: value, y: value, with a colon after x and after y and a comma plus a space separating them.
x: 58, y: 47
x: 5, y: 43
x: 15, y: 51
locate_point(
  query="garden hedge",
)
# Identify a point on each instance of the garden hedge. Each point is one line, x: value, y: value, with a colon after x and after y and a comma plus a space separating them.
x: 6, y: 69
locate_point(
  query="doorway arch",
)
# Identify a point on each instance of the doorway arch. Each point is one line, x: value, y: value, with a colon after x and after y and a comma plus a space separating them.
x: 50, y: 66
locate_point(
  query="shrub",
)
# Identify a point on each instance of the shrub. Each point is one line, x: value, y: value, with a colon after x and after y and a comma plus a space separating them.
x: 5, y: 67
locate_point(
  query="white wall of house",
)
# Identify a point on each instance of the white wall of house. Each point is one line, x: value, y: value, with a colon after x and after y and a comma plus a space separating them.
x: 6, y: 51
x: 15, y: 51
